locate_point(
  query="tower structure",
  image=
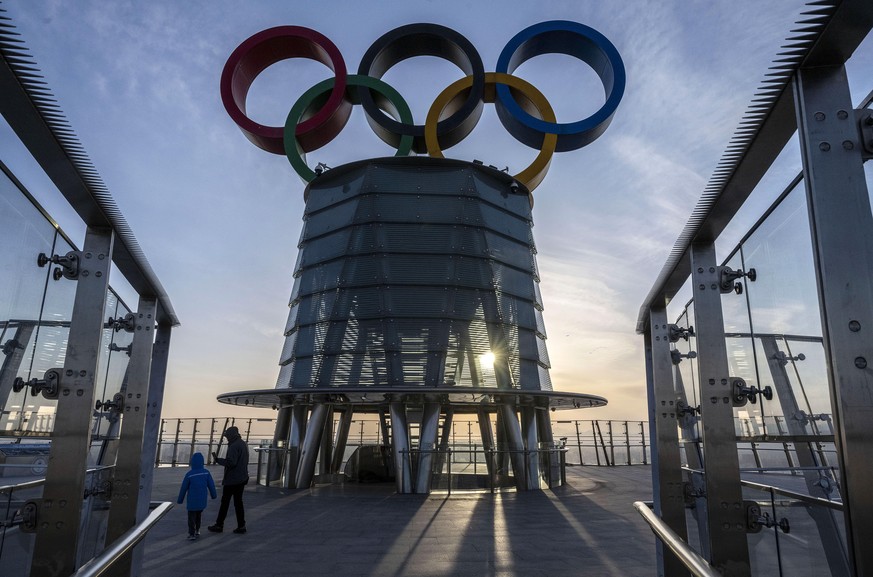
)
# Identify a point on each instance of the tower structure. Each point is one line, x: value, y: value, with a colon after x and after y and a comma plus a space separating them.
x: 416, y: 292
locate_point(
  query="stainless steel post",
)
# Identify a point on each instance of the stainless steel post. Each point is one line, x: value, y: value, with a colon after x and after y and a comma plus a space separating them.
x: 342, y: 438
x: 277, y: 453
x: 59, y: 511
x: 729, y: 549
x: 430, y: 419
x: 667, y: 486
x: 400, y: 447
x: 157, y: 379
x: 487, y: 435
x: 311, y: 444
x: 127, y: 480
x: 326, y: 453
x: 299, y: 414
x: 448, y: 428
x: 515, y: 443
x: 841, y: 225
x: 532, y: 446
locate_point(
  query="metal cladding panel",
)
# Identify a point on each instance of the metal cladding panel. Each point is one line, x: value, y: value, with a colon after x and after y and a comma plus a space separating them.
x: 510, y: 251
x: 433, y: 209
x: 419, y: 276
x: 505, y: 223
x: 284, y: 379
x: 327, y: 248
x: 288, y: 350
x: 541, y: 323
x: 313, y: 309
x: 321, y: 197
x: 516, y: 203
x: 424, y: 180
x: 338, y: 216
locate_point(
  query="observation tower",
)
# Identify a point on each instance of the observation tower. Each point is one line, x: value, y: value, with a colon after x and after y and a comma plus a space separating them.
x: 416, y: 292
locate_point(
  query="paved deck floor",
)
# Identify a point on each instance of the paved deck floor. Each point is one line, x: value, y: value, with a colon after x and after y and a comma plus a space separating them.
x: 588, y: 527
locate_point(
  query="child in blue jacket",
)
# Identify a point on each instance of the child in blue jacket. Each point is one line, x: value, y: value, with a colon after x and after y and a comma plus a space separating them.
x: 196, y: 483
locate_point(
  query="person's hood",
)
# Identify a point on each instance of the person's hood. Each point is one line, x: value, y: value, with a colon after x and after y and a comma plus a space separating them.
x: 231, y: 434
x: 197, y: 461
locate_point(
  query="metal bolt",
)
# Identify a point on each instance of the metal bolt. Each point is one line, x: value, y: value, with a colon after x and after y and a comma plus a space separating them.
x: 700, y: 269
x: 819, y: 116
x: 702, y: 286
x: 854, y: 326
x: 824, y: 146
x: 712, y: 269
x: 713, y: 286
x: 99, y: 274
x: 861, y: 362
x: 848, y: 145
x: 842, y: 114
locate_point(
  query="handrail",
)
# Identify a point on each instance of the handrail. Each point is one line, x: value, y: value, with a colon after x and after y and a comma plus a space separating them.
x: 99, y: 564
x: 794, y: 495
x: 692, y: 560
x: 38, y: 482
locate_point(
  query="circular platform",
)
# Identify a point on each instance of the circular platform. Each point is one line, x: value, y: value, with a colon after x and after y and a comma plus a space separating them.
x: 372, y: 399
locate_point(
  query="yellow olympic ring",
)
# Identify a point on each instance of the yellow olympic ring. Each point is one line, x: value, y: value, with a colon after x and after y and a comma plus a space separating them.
x: 532, y: 100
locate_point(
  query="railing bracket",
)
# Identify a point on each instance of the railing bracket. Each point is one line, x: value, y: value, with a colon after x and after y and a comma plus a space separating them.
x: 743, y: 394
x: 49, y: 386
x: 756, y: 520
x: 727, y: 276
x: 30, y: 516
x: 68, y: 265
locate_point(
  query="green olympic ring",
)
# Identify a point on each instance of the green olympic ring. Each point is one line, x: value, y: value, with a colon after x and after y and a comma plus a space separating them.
x: 390, y: 101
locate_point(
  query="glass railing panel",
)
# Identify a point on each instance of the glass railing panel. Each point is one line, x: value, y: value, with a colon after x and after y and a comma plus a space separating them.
x: 815, y: 544
x: 50, y: 349
x: 16, y: 546
x: 95, y: 513
x: 24, y: 233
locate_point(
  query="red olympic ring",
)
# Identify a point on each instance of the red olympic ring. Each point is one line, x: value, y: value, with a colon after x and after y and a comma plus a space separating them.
x: 266, y: 48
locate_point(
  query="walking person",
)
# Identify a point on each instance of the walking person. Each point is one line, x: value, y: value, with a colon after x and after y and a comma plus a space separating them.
x: 236, y: 476
x: 196, y: 484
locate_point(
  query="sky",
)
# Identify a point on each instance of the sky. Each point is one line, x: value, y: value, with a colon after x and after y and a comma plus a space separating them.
x: 219, y: 219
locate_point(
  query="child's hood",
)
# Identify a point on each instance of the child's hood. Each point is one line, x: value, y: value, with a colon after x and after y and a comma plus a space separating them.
x: 197, y: 461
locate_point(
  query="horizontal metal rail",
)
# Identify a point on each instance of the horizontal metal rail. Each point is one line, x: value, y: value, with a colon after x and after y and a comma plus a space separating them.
x: 695, y: 563
x: 38, y: 482
x: 808, y: 499
x: 99, y: 564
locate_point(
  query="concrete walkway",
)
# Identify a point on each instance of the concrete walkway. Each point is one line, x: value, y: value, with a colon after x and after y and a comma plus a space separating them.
x: 588, y: 527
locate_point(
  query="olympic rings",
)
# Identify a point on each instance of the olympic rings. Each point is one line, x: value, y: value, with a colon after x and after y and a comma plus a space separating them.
x: 315, y: 97
x: 536, y: 171
x: 521, y: 108
x: 266, y: 48
x: 573, y: 39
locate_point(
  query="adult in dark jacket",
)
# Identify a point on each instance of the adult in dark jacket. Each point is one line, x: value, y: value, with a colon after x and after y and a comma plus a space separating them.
x: 196, y: 485
x: 236, y: 475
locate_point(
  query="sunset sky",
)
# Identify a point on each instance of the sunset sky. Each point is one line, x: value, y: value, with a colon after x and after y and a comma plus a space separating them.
x: 219, y: 219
